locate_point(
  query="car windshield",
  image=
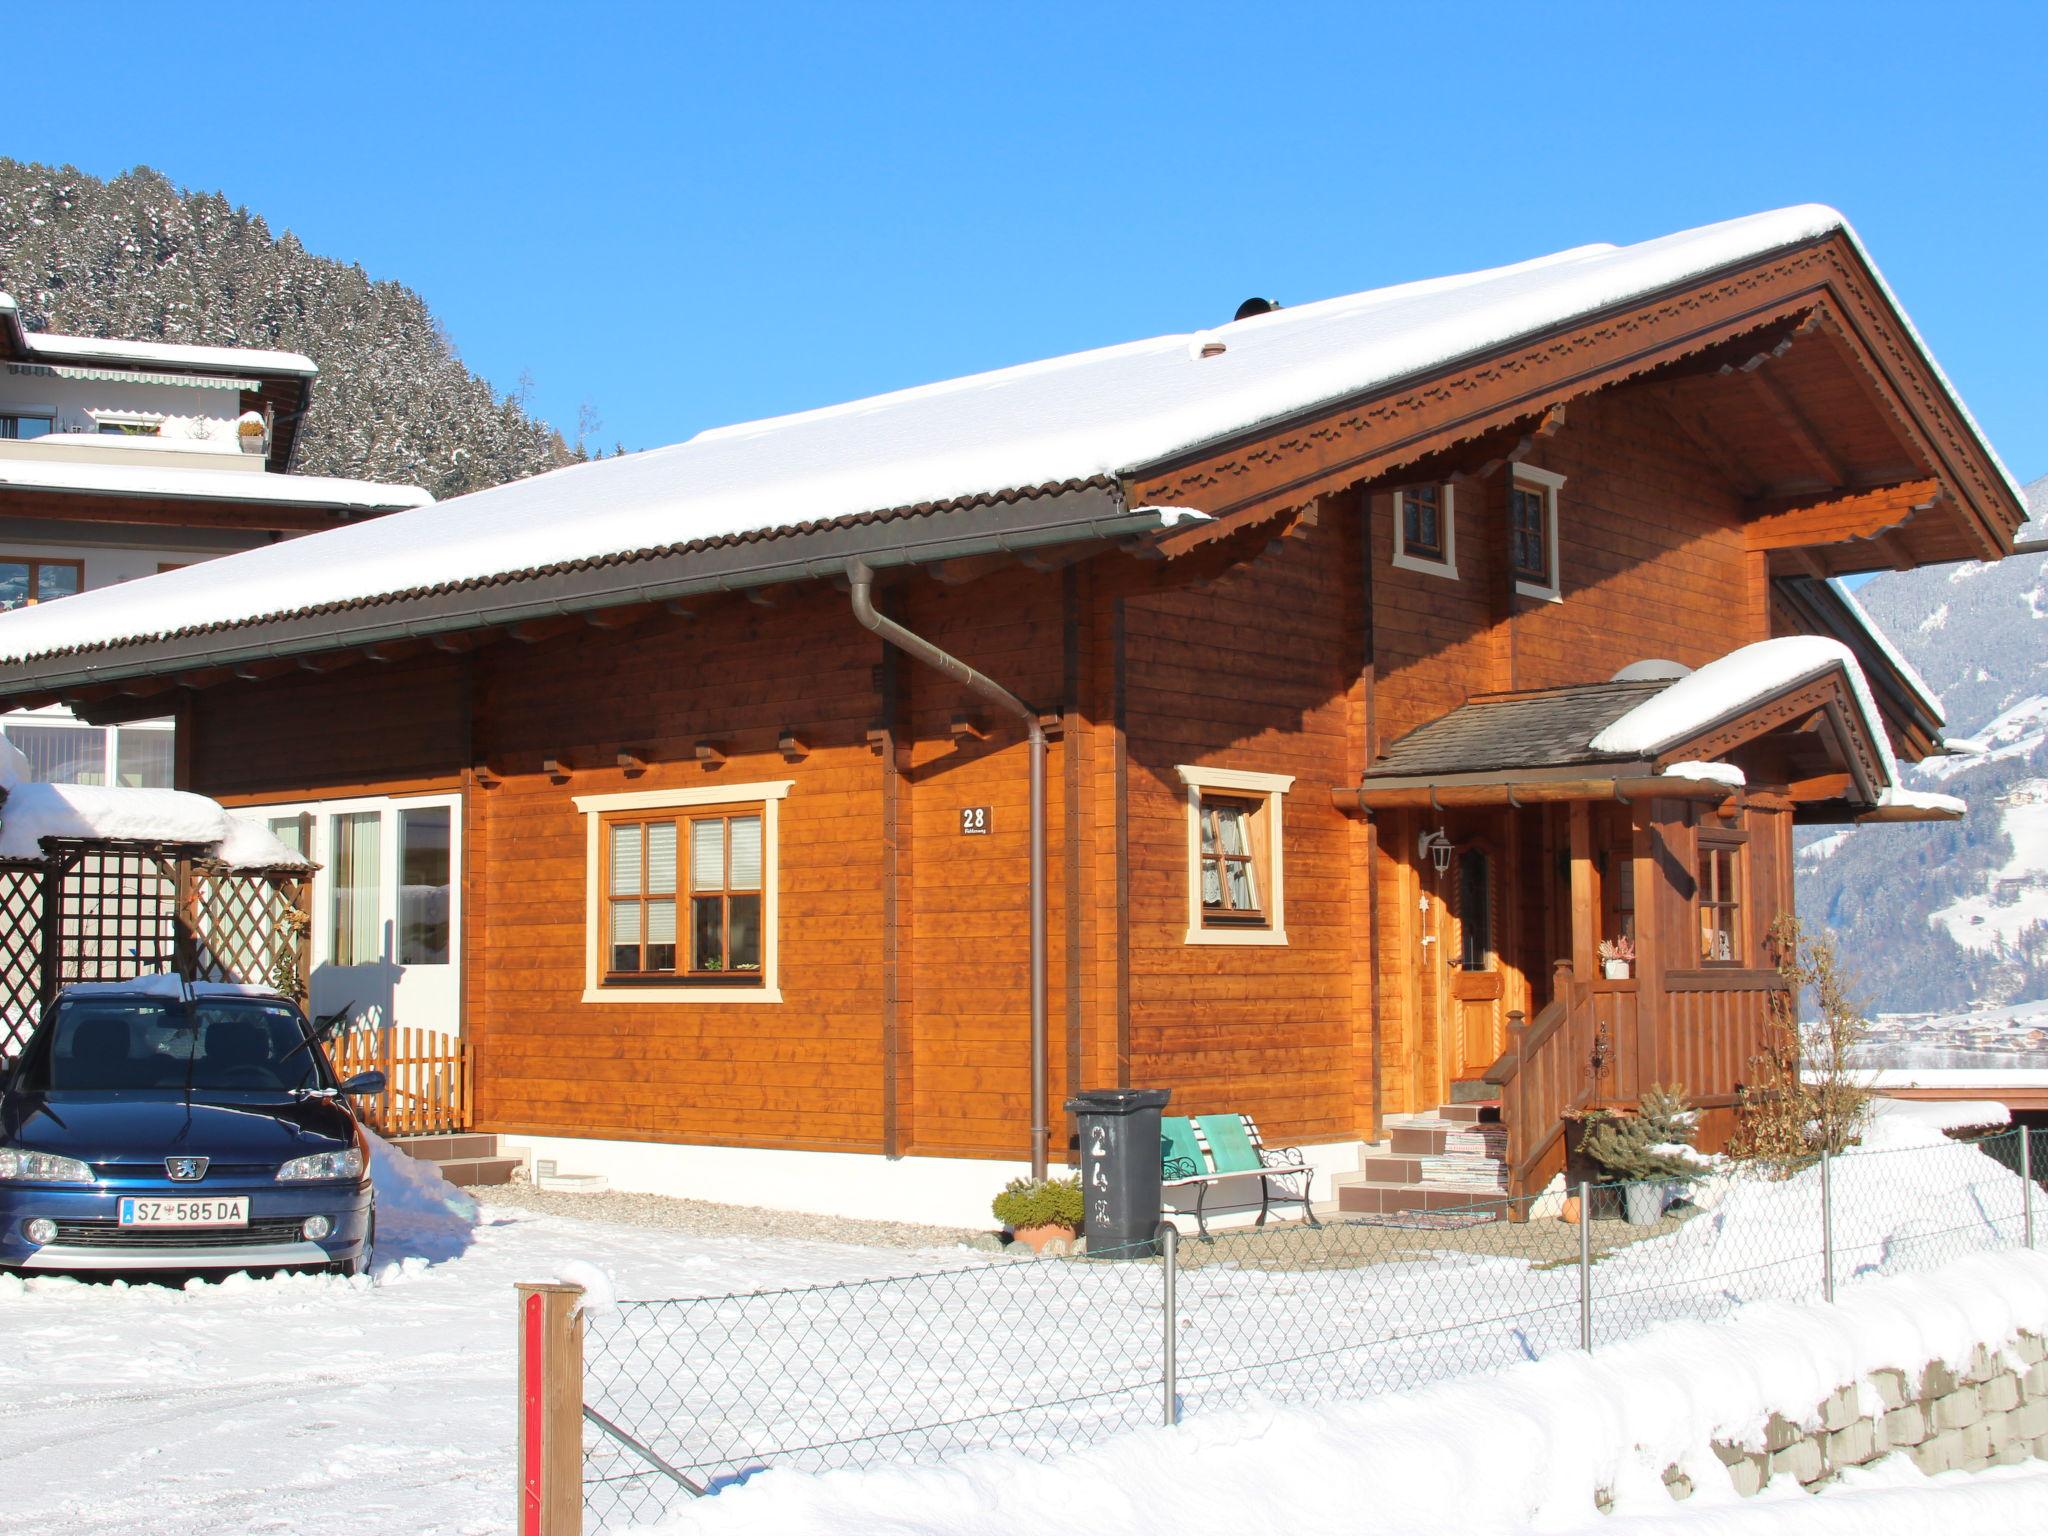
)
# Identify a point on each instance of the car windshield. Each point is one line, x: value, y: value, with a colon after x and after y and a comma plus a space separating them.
x: 215, y: 1043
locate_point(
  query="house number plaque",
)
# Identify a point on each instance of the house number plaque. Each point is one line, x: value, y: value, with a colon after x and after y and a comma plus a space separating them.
x: 974, y: 821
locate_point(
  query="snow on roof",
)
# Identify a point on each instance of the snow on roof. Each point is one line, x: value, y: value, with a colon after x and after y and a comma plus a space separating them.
x: 1726, y: 687
x: 32, y: 812
x: 173, y: 481
x: 48, y: 347
x: 1077, y: 420
x: 1890, y: 652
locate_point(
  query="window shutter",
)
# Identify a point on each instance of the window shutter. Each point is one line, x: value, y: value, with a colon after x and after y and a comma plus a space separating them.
x: 626, y: 859
x: 661, y: 860
x: 707, y: 855
x: 746, y: 853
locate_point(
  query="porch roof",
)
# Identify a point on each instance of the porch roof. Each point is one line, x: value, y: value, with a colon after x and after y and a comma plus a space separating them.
x: 1537, y: 729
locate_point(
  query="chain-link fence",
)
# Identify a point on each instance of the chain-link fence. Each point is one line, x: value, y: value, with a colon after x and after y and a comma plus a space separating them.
x: 1044, y: 1355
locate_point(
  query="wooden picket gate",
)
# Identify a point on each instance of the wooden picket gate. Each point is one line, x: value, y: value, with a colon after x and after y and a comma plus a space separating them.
x: 427, y: 1078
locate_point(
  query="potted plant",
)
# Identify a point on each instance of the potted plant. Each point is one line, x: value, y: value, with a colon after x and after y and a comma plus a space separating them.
x: 1649, y: 1152
x: 250, y: 429
x: 1618, y: 957
x: 1040, y: 1211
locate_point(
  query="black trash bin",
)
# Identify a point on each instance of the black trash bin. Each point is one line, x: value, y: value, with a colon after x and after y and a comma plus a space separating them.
x: 1120, y: 1169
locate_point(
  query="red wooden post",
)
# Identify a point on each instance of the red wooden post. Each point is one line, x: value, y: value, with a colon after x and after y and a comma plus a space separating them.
x: 550, y: 1410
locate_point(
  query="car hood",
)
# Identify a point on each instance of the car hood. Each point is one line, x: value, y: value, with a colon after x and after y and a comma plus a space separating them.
x: 104, y: 1127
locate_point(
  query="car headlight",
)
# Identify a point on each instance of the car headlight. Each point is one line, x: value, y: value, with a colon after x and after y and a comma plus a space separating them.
x: 18, y: 1165
x: 322, y: 1165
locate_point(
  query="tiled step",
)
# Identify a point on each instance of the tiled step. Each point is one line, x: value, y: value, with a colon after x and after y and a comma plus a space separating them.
x: 1484, y: 1112
x: 1358, y: 1196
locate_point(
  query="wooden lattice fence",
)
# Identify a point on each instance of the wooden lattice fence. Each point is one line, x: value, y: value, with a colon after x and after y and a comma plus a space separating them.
x: 103, y: 911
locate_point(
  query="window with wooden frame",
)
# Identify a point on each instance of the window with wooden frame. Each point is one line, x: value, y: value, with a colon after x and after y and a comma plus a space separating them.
x: 682, y: 902
x: 1532, y: 531
x: 683, y: 897
x: 1719, y: 900
x: 1425, y: 529
x: 29, y: 579
x: 1236, y: 887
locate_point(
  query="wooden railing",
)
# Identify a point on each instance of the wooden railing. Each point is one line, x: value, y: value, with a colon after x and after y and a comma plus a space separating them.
x: 1553, y: 1065
x: 428, y: 1084
x: 1590, y: 1047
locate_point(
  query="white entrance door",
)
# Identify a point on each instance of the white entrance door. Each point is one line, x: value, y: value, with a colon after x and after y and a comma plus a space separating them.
x: 387, y: 906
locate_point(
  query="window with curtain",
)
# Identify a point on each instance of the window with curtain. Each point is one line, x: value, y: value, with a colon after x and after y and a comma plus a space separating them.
x: 423, y: 885
x: 354, y: 936
x: 1231, y: 878
x: 683, y: 897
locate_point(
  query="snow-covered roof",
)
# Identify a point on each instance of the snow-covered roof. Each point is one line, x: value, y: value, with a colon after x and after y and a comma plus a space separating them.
x: 42, y: 346
x: 175, y: 482
x: 1908, y: 673
x: 1733, y: 684
x: 1089, y: 419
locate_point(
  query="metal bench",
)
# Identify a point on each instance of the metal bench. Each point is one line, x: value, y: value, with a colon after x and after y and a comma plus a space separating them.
x: 1204, y: 1150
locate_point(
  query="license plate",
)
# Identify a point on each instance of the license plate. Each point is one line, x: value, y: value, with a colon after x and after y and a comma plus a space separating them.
x: 138, y: 1211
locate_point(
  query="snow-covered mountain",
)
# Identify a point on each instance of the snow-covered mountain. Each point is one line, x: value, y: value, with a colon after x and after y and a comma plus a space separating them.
x: 137, y: 257
x: 1948, y: 917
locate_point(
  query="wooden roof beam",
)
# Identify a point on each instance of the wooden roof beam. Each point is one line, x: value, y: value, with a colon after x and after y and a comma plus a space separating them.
x: 1792, y: 523
x: 625, y: 616
x: 1785, y: 411
x: 1686, y: 414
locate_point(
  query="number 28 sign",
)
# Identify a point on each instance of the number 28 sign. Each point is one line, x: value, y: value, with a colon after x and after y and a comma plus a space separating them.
x: 974, y: 821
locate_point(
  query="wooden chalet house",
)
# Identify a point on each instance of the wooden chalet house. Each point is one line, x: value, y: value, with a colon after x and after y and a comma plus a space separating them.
x: 1282, y: 714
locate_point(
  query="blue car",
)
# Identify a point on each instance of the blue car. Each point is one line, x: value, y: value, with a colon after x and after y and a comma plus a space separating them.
x: 165, y: 1126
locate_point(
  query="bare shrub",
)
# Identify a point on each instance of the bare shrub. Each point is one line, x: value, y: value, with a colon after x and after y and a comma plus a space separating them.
x: 1804, y: 1097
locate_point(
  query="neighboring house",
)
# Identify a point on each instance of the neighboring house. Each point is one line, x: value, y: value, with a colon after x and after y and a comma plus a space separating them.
x: 123, y: 459
x: 1389, y: 653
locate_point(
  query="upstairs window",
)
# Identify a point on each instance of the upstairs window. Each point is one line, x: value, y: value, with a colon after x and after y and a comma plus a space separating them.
x: 1236, y: 887
x: 28, y: 579
x: 23, y: 425
x: 1532, y: 532
x: 127, y: 426
x: 1425, y: 529
x: 683, y: 894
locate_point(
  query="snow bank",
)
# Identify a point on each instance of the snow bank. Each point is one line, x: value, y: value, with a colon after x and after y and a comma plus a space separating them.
x: 32, y: 812
x: 409, y: 1188
x: 1940, y: 1115
x: 1518, y: 1450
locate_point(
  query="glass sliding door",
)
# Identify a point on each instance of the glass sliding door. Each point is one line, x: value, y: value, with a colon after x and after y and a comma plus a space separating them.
x: 423, y: 849
x: 355, y: 843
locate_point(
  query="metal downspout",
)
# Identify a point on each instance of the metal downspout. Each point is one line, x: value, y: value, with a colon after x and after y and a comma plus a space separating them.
x: 860, y: 580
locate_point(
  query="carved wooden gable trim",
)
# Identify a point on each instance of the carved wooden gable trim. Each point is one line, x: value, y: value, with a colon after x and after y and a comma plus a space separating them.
x: 1829, y: 695
x: 1822, y: 281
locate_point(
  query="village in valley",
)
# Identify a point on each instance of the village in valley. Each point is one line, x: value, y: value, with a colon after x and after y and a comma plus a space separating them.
x: 743, y: 814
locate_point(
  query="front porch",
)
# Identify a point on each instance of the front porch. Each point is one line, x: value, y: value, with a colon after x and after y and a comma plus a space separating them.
x: 1525, y: 843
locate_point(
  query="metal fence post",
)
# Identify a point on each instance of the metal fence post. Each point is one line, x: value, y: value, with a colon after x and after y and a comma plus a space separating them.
x: 550, y: 1410
x: 1170, y: 1339
x: 1827, y: 1225
x: 2027, y: 1182
x: 1585, y: 1266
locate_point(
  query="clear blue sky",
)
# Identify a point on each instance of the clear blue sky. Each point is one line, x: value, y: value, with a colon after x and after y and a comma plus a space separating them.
x: 686, y: 216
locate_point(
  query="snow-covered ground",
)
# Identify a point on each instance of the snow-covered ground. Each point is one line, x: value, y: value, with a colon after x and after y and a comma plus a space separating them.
x: 316, y: 1405
x: 1521, y: 1450
x: 312, y: 1404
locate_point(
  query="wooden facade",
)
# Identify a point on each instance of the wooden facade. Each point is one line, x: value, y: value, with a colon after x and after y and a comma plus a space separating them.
x: 1767, y: 424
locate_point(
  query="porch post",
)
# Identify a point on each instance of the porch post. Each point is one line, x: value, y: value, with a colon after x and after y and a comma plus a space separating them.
x: 1584, y: 918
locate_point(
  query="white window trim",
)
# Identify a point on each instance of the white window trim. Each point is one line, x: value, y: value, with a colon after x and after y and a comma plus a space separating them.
x: 594, y: 808
x: 1447, y: 568
x: 1550, y: 483
x: 1274, y: 786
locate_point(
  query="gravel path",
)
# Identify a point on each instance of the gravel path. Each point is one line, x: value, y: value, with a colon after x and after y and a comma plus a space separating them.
x: 709, y: 1219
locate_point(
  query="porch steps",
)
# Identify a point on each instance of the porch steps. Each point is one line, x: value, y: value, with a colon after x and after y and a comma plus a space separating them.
x: 463, y: 1158
x: 1453, y: 1157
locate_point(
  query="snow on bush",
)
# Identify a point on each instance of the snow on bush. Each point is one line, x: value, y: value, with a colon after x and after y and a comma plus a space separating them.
x: 1521, y: 1449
